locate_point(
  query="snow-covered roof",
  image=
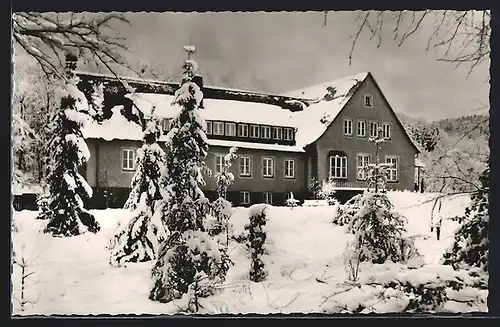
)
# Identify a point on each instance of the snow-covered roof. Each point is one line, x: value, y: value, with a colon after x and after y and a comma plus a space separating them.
x: 331, y: 97
x: 119, y: 128
x: 216, y: 109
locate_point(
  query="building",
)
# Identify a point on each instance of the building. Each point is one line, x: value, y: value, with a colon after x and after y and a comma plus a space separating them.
x: 283, y: 141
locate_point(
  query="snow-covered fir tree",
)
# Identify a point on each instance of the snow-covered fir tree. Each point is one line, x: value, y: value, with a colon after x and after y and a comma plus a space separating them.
x: 22, y: 136
x: 188, y: 250
x: 67, y: 188
x: 221, y: 207
x: 255, y: 241
x: 139, y: 239
x: 470, y: 248
x: 378, y: 228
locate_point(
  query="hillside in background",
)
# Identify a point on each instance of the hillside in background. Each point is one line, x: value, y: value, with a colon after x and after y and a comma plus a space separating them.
x: 456, y: 148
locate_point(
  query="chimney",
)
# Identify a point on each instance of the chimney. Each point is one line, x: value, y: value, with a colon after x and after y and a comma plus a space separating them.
x: 198, y: 80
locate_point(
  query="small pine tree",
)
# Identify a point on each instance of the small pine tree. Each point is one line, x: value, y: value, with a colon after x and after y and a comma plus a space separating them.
x: 138, y: 241
x: 188, y: 249
x: 471, y: 240
x: 255, y: 241
x: 378, y: 229
x: 67, y: 188
x: 221, y: 208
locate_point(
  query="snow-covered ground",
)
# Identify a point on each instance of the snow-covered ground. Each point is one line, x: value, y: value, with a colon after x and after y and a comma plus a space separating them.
x: 304, y: 261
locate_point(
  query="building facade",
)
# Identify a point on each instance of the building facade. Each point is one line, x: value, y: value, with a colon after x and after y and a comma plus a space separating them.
x: 283, y: 141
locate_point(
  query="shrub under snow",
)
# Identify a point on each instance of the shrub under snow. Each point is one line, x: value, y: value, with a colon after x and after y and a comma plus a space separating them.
x: 255, y: 241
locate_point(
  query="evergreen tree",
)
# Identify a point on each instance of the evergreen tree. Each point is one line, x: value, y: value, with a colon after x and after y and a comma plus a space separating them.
x: 379, y: 230
x: 138, y: 241
x: 67, y: 188
x: 471, y: 240
x: 188, y: 251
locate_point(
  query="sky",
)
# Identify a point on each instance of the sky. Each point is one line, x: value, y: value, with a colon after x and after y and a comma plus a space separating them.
x: 283, y: 51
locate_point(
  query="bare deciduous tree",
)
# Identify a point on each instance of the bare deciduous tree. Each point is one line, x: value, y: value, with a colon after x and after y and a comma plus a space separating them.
x: 47, y: 36
x: 461, y: 37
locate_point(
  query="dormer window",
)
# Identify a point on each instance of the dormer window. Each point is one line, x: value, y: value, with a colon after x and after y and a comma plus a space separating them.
x: 368, y: 101
x: 277, y: 133
x: 218, y: 128
x: 265, y: 132
x: 242, y: 130
x: 288, y: 134
x: 166, y: 125
x: 230, y: 129
x: 254, y: 131
x: 209, y: 127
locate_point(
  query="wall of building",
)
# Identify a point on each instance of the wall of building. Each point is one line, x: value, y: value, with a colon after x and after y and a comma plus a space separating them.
x: 334, y: 139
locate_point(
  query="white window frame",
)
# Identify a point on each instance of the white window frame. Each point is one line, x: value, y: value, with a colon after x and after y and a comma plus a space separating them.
x: 128, y: 164
x: 393, y: 171
x: 287, y: 169
x: 230, y: 127
x: 266, y: 135
x: 387, y: 135
x: 266, y: 168
x: 242, y: 171
x: 369, y: 103
x: 218, y: 163
x: 253, y: 130
x: 209, y: 128
x: 166, y: 125
x: 333, y: 160
x: 277, y: 133
x: 376, y: 129
x: 348, y: 127
x: 358, y: 129
x: 243, y: 130
x: 268, y: 197
x: 218, y: 128
x: 360, y: 164
x: 245, y: 197
x: 288, y: 134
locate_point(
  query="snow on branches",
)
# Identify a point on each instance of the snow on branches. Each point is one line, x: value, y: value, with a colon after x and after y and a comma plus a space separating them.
x: 67, y: 188
x: 184, y: 207
x: 139, y: 240
x: 255, y: 241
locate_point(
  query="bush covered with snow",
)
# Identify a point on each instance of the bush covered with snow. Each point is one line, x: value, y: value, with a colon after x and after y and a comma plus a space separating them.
x: 138, y: 241
x: 255, y: 241
x: 470, y: 247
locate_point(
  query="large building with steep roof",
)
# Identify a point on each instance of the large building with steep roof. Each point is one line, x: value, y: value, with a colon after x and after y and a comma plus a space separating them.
x: 283, y: 141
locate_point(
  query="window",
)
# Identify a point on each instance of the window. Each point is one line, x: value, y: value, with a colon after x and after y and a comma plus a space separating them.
x: 277, y: 133
x: 128, y: 159
x: 368, y: 101
x: 218, y: 128
x: 268, y: 197
x: 392, y: 172
x: 268, y: 167
x: 361, y: 128
x: 386, y: 130
x: 165, y: 125
x: 288, y: 134
x: 230, y: 129
x: 219, y: 163
x: 363, y: 161
x: 348, y: 127
x: 338, y: 167
x: 254, y: 131
x: 289, y: 168
x: 209, y: 127
x: 265, y: 132
x: 245, y: 197
x: 246, y: 166
x: 243, y: 130
x: 373, y: 129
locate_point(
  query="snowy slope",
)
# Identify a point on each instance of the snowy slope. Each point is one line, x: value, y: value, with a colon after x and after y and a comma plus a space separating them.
x: 304, y: 261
